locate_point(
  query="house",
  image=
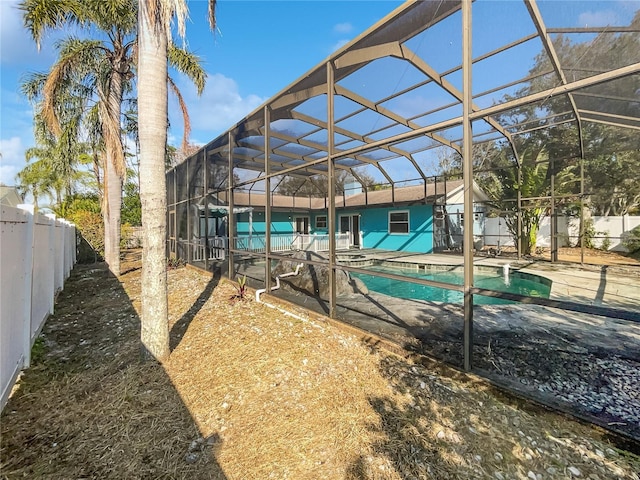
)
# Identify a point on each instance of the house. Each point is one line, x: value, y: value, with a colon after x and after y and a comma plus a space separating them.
x: 10, y: 196
x: 420, y: 218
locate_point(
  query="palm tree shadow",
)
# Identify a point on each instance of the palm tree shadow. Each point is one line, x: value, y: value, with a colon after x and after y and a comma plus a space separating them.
x: 114, y: 413
x: 180, y: 327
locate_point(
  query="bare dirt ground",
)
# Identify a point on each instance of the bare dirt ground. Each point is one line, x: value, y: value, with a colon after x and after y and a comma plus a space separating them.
x: 252, y: 393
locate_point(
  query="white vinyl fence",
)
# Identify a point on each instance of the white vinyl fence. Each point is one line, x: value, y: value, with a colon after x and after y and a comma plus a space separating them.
x: 607, y: 229
x: 37, y: 253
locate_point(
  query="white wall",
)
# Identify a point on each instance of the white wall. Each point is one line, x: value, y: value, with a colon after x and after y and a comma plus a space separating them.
x: 36, y: 256
x: 568, y: 231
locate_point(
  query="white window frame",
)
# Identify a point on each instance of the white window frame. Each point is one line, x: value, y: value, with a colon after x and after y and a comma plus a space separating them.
x: 318, y: 227
x: 407, y: 222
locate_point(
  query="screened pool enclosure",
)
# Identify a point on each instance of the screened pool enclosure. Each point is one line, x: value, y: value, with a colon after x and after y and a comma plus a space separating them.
x: 456, y: 131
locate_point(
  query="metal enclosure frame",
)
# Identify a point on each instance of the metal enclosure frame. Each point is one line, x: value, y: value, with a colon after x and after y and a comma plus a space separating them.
x: 282, y: 138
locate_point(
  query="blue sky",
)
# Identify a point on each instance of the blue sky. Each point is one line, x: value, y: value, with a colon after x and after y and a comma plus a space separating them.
x: 260, y: 48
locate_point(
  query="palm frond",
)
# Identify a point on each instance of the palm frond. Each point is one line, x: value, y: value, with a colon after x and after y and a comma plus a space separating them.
x: 189, y: 64
x: 78, y: 59
x: 211, y: 11
x: 112, y: 15
x: 185, y: 114
x: 40, y: 15
x: 32, y: 84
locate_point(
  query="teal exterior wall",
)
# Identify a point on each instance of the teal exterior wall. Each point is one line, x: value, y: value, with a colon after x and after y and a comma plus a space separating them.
x: 281, y: 222
x: 374, y: 223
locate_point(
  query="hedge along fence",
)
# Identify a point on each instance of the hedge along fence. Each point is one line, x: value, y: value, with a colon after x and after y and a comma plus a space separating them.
x: 37, y: 255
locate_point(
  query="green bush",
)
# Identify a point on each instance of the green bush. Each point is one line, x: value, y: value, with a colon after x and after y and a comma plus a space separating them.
x: 589, y: 233
x: 91, y: 227
x: 631, y: 240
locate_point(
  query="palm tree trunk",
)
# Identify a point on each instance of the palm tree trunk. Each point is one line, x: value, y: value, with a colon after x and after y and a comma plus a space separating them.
x: 114, y: 169
x: 111, y: 216
x: 152, y: 126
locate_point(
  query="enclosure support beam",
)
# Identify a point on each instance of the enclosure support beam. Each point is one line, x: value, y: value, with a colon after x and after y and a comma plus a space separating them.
x: 519, y: 213
x: 332, y: 190
x: 203, y: 156
x: 467, y: 173
x: 538, y: 21
x: 267, y: 199
x: 582, y: 209
x: 553, y: 214
x: 231, y: 224
x: 176, y: 249
x: 189, y: 221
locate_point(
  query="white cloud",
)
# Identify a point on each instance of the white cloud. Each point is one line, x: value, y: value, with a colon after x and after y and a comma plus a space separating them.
x: 218, y: 108
x: 17, y: 113
x: 598, y: 19
x: 343, y: 28
x: 17, y: 46
x: 12, y: 160
x: 338, y: 45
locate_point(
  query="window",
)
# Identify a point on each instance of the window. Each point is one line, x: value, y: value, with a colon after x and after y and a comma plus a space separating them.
x: 399, y: 222
x: 321, y: 221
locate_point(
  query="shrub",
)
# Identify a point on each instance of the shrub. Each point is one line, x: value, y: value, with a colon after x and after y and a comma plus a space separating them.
x: 241, y: 289
x: 589, y: 233
x: 90, y: 226
x: 173, y: 263
x: 631, y: 240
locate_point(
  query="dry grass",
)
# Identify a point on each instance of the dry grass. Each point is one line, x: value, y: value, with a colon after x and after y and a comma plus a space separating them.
x: 252, y: 393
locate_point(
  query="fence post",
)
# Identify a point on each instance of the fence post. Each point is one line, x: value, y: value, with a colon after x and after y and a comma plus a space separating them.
x: 28, y: 279
x: 52, y: 252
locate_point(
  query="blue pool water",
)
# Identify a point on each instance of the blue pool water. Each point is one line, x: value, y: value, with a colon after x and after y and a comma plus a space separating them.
x: 518, y: 283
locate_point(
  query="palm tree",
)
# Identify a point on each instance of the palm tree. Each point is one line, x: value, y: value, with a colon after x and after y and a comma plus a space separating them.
x: 101, y: 72
x: 52, y: 164
x: 154, y: 34
x: 35, y: 178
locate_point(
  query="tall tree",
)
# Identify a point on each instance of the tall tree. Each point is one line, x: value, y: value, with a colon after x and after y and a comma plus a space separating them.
x: 106, y: 67
x: 154, y: 33
x: 52, y: 165
x: 102, y: 68
x: 36, y: 179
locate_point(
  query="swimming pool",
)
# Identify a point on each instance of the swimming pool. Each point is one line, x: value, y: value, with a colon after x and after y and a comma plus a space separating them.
x: 520, y: 283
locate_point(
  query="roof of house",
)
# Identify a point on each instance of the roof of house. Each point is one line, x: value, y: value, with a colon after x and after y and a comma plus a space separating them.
x: 431, y: 193
x: 10, y: 196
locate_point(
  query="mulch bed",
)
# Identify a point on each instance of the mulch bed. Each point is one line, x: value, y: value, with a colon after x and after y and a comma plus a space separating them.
x: 251, y: 392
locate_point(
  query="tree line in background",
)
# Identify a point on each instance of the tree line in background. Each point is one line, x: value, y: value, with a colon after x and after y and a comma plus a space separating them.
x: 548, y: 159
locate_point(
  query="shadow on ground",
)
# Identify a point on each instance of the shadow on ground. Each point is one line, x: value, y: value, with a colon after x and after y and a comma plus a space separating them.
x: 454, y: 426
x: 89, y: 407
x: 180, y: 327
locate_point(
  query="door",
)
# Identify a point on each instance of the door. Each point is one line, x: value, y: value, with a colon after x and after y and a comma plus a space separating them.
x: 351, y: 224
x: 355, y: 231
x: 301, y: 233
x: 302, y: 225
